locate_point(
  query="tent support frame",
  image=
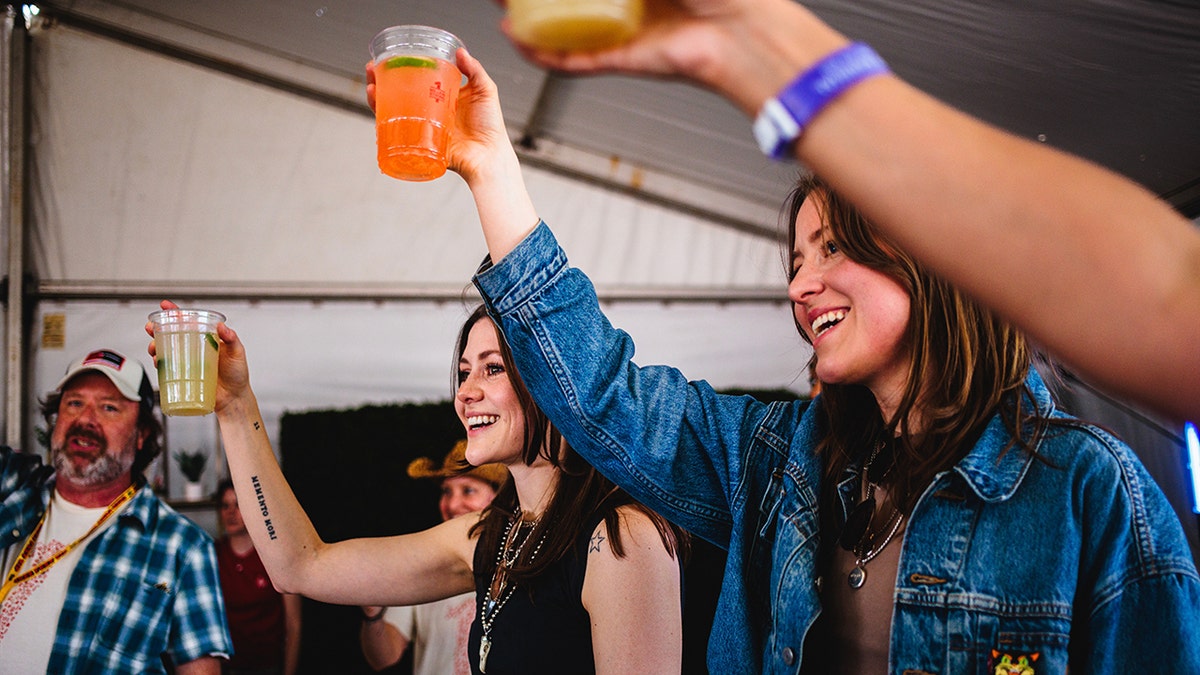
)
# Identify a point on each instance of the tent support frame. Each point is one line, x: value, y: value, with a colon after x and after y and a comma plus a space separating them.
x: 376, y: 293
x: 14, y: 80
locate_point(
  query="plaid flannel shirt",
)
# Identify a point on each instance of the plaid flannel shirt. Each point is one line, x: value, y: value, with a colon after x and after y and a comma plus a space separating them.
x: 144, y: 589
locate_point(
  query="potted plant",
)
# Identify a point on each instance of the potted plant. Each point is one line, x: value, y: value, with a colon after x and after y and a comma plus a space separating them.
x: 191, y: 465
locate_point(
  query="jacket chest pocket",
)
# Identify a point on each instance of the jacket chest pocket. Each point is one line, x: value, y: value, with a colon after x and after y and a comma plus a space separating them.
x: 782, y: 517
x: 1023, y: 641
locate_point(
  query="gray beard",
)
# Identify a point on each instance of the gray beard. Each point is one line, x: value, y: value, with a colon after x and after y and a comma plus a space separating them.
x: 105, y: 469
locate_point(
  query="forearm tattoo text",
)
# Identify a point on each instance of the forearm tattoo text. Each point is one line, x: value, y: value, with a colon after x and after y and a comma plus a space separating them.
x: 262, y: 506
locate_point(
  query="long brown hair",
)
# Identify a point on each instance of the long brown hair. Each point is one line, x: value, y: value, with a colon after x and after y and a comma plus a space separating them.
x: 965, y: 364
x: 580, y: 491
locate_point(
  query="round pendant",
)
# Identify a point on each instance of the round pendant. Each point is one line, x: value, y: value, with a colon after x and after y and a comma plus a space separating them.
x: 858, y: 577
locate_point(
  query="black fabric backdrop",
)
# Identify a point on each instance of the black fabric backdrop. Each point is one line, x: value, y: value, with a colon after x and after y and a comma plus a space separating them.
x: 349, y: 471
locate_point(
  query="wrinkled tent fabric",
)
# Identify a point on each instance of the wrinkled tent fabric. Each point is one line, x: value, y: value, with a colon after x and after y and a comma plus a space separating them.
x: 149, y: 172
x: 148, y: 169
x: 1117, y: 82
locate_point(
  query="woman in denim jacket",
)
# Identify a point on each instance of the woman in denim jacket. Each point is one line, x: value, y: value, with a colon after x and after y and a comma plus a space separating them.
x: 929, y: 512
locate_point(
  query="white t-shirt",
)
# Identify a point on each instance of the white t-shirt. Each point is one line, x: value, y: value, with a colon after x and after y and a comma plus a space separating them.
x: 29, y: 615
x: 438, y: 633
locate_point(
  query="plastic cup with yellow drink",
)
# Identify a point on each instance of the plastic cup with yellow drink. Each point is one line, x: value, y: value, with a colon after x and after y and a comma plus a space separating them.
x: 574, y: 25
x: 185, y: 341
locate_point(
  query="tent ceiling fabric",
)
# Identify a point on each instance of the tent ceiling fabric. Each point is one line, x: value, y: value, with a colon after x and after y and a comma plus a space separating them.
x: 150, y: 174
x: 152, y: 171
x: 1112, y: 80
x: 159, y: 160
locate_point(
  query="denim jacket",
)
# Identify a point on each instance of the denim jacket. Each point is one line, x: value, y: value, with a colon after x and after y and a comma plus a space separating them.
x: 1073, y: 559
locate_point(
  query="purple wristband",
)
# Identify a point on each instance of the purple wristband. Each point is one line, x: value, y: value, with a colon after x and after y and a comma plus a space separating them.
x: 783, y: 118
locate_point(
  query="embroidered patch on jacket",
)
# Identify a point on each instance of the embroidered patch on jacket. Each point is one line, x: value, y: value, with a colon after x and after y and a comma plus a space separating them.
x: 1013, y: 664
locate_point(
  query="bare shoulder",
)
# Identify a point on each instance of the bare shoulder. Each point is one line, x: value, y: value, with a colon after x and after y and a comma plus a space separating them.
x: 456, y: 534
x: 639, y: 535
x: 646, y: 569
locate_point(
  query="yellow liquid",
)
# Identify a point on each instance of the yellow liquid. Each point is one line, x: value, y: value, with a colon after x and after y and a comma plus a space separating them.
x: 187, y: 372
x: 574, y: 25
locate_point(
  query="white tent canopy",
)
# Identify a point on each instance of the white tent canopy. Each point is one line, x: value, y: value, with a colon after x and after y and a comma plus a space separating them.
x: 151, y: 170
x: 155, y: 178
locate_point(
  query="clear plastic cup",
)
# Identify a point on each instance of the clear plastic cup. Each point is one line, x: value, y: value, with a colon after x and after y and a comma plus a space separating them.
x: 574, y: 25
x: 416, y: 92
x: 187, y: 346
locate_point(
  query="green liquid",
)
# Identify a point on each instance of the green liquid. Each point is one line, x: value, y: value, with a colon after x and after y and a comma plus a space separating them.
x: 187, y: 372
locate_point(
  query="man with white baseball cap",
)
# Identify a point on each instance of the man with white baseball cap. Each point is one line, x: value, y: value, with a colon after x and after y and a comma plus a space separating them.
x: 127, y: 374
x: 100, y: 575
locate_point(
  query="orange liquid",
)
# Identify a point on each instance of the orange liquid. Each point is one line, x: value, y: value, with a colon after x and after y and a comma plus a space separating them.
x: 574, y: 25
x: 415, y: 98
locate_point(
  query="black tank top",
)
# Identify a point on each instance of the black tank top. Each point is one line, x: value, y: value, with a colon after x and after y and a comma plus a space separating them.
x: 543, y: 628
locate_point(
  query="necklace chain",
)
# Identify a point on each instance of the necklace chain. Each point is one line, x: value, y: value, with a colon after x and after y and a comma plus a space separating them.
x: 500, y: 590
x: 864, y: 555
x: 508, y: 554
x: 866, y: 549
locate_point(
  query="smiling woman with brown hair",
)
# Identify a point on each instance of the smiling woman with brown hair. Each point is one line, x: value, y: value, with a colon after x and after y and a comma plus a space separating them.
x: 570, y: 574
x: 930, y: 511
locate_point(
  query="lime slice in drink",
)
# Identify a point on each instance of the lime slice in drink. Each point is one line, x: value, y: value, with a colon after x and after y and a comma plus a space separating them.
x: 212, y: 340
x: 409, y: 62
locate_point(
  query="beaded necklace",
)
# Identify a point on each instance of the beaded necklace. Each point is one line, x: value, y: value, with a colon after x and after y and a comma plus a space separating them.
x: 499, y: 590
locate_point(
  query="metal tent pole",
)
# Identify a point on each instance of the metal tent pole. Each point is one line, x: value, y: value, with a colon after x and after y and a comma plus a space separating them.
x: 14, y: 80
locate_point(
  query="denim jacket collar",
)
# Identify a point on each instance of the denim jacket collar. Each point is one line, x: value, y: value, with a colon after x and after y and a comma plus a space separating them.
x: 993, y: 476
x: 992, y: 469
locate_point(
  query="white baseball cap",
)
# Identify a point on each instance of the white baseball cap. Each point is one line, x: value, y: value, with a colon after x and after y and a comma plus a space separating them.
x: 127, y: 374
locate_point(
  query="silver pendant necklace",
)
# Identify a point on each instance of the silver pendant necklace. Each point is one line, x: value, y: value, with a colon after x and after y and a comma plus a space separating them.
x: 865, y: 550
x: 858, y: 575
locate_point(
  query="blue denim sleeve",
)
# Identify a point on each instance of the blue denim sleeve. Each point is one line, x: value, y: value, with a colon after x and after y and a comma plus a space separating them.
x: 1145, y: 592
x: 1149, y: 627
x: 672, y: 444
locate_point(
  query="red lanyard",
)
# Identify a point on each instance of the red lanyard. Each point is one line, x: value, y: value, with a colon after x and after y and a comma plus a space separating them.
x: 15, y: 576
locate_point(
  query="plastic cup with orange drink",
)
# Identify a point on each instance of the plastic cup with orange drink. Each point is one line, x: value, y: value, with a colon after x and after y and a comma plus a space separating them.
x: 416, y: 92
